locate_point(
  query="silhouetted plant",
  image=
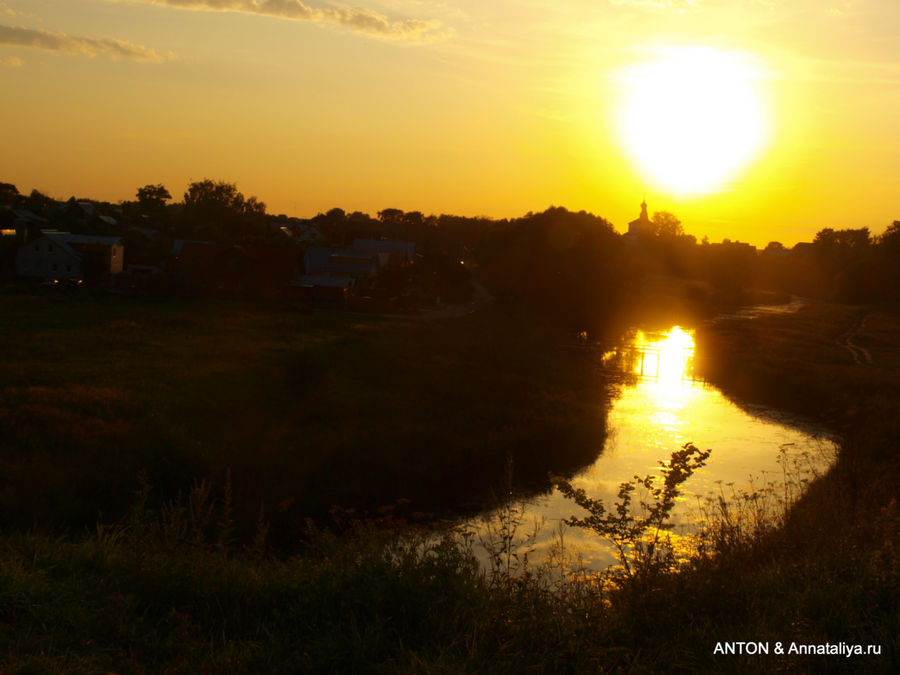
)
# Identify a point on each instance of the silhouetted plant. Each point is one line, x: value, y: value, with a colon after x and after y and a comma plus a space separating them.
x: 640, y: 536
x: 506, y: 547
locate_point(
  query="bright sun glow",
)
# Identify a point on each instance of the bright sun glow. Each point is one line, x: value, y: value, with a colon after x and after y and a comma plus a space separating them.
x: 665, y: 359
x: 693, y: 118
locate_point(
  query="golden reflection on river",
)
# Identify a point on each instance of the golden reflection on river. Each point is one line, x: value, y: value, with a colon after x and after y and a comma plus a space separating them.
x: 660, y: 407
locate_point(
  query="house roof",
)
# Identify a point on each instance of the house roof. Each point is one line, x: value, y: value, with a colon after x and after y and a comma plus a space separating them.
x: 313, y: 280
x: 179, y: 244
x: 337, y: 261
x: 148, y: 232
x: 74, y: 243
x: 407, y: 248
x: 30, y: 216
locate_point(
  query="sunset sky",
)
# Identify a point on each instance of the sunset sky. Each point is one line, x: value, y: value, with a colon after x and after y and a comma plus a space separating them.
x: 466, y: 107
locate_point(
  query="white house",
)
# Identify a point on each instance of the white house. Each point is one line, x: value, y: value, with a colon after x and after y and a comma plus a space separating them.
x: 60, y: 255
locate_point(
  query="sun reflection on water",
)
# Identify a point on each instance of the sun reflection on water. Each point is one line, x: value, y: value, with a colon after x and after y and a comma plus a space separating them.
x: 667, y: 358
x: 660, y: 406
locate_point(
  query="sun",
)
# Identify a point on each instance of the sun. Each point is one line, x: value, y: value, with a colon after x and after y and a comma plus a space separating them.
x: 693, y: 118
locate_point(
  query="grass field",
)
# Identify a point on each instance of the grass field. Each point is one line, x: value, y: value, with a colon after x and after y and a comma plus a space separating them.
x: 305, y: 410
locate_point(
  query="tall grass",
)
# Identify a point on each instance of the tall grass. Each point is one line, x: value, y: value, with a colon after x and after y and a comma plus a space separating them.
x: 307, y: 410
x: 169, y: 590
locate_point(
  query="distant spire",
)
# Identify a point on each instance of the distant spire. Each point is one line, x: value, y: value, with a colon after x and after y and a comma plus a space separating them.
x: 642, y: 225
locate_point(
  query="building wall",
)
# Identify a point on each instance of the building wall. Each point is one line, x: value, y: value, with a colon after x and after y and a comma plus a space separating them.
x: 43, y: 258
x: 116, y: 258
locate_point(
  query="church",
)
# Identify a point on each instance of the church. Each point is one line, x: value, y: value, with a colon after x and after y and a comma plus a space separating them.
x: 642, y: 225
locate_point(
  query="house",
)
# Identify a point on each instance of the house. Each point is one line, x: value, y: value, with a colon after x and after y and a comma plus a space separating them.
x: 60, y: 255
x: 390, y: 253
x: 300, y: 230
x: 236, y: 270
x: 331, y: 275
x: 323, y: 290
x: 26, y: 224
x: 341, y: 262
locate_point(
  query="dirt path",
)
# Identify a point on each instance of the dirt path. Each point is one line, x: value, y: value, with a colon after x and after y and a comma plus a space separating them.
x: 861, y: 355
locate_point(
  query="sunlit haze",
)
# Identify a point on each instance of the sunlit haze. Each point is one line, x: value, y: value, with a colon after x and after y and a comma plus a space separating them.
x: 755, y: 121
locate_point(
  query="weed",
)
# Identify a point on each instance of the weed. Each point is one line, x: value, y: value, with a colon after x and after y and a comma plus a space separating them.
x: 639, y: 535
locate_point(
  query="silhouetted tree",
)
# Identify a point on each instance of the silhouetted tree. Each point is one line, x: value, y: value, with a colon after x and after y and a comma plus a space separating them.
x: 96, y: 262
x: 889, y: 260
x: 390, y: 216
x: 38, y: 202
x: 843, y: 258
x: 890, y: 238
x: 217, y: 209
x: 9, y: 194
x: 665, y: 224
x: 152, y: 199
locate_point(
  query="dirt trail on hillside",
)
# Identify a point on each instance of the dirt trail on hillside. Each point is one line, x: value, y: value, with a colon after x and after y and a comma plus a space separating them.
x: 861, y: 355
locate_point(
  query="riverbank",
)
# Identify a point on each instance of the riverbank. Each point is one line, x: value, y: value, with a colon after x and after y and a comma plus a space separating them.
x: 305, y: 410
x: 168, y: 587
x: 831, y: 572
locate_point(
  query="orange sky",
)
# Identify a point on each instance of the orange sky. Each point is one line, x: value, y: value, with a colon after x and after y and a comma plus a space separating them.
x: 465, y: 107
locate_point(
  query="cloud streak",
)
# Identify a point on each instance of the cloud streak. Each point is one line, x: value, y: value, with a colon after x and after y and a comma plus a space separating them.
x: 60, y: 42
x: 352, y: 18
x: 658, y: 4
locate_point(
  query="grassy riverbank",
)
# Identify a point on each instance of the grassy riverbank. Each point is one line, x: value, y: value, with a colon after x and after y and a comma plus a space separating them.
x: 831, y: 571
x: 305, y: 410
x: 171, y: 588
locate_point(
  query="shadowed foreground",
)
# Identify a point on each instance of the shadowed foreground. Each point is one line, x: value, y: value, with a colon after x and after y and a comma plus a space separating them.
x: 168, y: 587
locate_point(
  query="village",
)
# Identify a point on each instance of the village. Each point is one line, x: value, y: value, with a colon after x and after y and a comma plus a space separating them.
x: 68, y: 245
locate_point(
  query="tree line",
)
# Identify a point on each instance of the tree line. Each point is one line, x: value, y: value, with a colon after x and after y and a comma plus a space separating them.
x: 572, y: 266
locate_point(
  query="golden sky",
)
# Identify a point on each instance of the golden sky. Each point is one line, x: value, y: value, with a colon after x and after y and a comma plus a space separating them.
x: 473, y: 107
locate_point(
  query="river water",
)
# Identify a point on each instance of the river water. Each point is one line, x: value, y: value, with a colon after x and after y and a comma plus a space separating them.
x: 658, y: 408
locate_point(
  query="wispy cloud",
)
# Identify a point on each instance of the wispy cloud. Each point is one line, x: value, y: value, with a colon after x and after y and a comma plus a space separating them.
x: 659, y: 4
x: 352, y: 18
x: 11, y: 62
x: 60, y: 42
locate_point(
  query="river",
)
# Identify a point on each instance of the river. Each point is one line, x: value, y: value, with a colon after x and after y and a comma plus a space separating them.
x: 658, y: 407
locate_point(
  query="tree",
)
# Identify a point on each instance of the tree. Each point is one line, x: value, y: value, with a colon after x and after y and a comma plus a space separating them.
x: 37, y: 201
x: 665, y: 224
x: 9, y: 194
x: 847, y: 239
x: 390, y: 216
x: 152, y: 198
x: 218, y: 209
x: 335, y: 215
x: 96, y: 263
x: 890, y: 238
